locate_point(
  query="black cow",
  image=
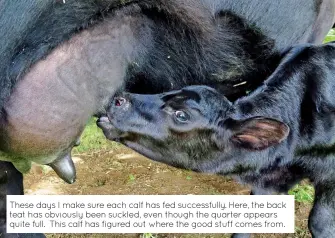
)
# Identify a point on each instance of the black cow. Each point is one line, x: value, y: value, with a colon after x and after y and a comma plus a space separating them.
x: 271, y: 139
x: 61, y: 60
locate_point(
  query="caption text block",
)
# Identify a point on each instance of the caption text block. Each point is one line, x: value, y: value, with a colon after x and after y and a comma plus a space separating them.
x: 150, y: 213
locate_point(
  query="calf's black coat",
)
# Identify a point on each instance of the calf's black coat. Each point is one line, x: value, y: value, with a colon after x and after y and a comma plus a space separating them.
x: 281, y: 133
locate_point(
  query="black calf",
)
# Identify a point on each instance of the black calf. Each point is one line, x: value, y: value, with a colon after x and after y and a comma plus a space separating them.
x: 274, y: 137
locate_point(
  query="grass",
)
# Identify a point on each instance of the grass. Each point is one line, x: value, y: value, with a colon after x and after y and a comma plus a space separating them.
x: 330, y: 36
x: 93, y: 140
x: 132, y: 177
x: 100, y: 182
x: 303, y: 193
x: 188, y: 177
x: 148, y: 235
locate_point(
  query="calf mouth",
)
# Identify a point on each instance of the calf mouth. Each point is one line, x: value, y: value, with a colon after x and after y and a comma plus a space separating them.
x: 111, y: 132
x: 130, y: 140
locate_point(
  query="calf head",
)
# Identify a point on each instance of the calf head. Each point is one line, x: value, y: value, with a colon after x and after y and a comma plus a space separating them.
x: 190, y: 128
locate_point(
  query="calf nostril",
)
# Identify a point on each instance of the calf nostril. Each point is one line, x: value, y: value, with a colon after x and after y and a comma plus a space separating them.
x: 118, y: 102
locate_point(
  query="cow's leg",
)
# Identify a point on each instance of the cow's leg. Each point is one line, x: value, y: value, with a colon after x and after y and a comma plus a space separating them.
x: 11, y: 183
x: 322, y: 217
x: 254, y: 191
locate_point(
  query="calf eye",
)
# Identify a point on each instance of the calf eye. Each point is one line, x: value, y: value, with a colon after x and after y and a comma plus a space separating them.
x: 181, y: 116
x: 118, y: 102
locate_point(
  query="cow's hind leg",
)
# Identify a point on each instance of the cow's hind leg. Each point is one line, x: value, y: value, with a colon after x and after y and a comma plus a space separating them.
x: 254, y: 191
x: 322, y: 217
x: 11, y: 183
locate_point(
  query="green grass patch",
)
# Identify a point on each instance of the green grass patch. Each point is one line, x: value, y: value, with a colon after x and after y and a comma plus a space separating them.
x: 301, y: 232
x: 303, y: 193
x: 93, y: 139
x: 188, y: 177
x: 132, y: 178
x: 148, y: 235
x: 100, y: 182
x: 330, y: 36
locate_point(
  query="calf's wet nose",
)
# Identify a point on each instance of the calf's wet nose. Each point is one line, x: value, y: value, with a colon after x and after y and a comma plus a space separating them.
x: 102, y: 119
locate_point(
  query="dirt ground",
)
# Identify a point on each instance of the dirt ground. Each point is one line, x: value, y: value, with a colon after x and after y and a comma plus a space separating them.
x: 122, y: 171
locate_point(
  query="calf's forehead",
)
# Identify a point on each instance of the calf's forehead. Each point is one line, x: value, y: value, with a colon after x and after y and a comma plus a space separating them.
x: 212, y: 101
x: 203, y: 98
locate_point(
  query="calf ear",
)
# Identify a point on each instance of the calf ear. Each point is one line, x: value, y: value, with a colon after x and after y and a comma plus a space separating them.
x: 257, y: 133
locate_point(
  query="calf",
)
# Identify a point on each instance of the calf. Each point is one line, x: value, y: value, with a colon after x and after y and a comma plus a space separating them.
x: 271, y: 139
